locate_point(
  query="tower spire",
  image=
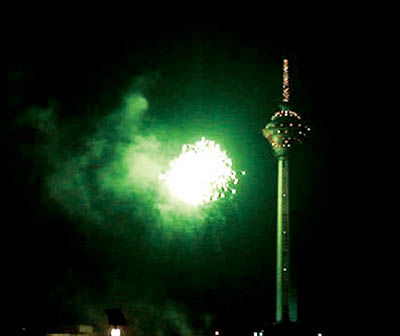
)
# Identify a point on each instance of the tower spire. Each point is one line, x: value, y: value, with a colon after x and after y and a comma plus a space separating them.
x: 286, y: 91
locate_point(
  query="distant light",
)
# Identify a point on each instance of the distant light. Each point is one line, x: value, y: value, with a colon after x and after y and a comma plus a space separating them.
x: 217, y: 333
x: 319, y: 334
x: 255, y: 333
x: 115, y: 332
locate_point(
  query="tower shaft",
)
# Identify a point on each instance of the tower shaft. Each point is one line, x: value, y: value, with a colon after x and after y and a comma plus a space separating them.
x: 286, y: 306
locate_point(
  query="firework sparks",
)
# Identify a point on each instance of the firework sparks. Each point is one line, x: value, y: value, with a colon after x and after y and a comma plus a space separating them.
x: 201, y: 173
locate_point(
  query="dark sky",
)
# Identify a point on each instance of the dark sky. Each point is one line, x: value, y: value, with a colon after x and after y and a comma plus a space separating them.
x: 222, y: 80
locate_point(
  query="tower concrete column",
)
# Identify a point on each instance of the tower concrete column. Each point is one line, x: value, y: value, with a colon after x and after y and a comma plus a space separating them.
x: 282, y: 239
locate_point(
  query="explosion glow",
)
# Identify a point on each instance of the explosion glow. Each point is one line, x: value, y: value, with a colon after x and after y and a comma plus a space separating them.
x: 201, y: 173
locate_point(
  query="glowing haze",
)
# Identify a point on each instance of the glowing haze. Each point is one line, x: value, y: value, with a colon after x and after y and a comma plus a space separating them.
x: 201, y: 173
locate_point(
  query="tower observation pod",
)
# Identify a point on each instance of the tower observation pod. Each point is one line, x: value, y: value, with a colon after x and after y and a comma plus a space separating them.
x: 285, y: 130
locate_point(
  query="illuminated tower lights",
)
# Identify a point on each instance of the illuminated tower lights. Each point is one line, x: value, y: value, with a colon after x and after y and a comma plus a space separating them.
x: 285, y: 129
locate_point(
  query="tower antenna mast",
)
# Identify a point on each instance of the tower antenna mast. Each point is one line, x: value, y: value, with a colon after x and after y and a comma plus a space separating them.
x: 286, y: 90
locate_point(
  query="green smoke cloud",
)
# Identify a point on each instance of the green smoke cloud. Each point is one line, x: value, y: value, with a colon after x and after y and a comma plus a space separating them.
x: 107, y: 180
x: 114, y: 172
x: 113, y: 165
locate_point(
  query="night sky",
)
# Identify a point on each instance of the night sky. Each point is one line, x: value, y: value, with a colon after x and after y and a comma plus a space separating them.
x: 89, y: 234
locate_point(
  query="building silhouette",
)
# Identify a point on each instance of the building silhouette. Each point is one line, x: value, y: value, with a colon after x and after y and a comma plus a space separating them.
x: 285, y: 131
